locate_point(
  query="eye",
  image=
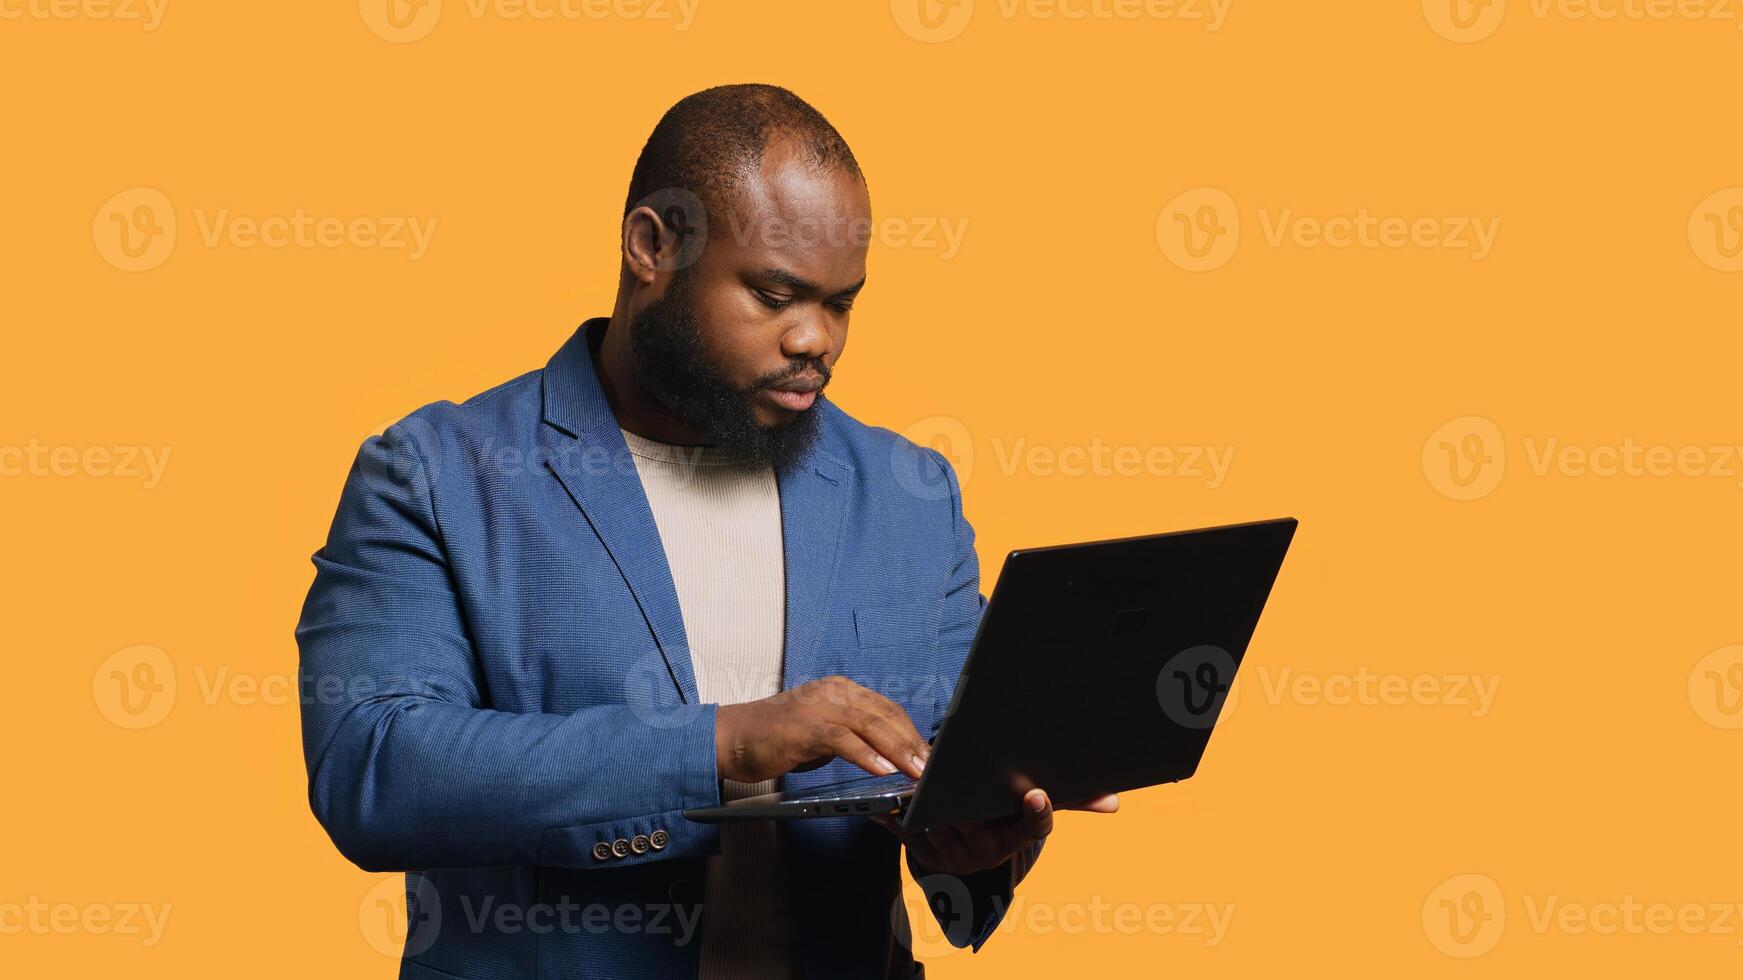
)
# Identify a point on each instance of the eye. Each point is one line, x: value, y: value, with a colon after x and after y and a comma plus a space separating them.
x: 842, y: 307
x: 771, y: 301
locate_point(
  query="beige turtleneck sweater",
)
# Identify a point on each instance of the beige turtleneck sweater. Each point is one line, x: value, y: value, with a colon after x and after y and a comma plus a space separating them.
x: 721, y: 530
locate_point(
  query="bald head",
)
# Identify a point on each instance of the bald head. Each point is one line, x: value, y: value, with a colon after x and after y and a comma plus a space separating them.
x: 729, y: 336
x: 710, y: 143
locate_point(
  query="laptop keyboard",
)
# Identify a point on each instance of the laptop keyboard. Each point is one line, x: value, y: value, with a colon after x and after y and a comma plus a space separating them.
x: 858, y: 788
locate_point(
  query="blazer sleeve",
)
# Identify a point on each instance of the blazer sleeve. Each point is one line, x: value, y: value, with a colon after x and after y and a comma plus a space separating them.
x: 409, y: 768
x: 968, y: 907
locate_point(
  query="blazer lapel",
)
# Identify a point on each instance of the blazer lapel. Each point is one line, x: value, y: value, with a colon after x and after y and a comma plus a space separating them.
x: 604, y: 483
x: 600, y: 475
x: 814, y: 495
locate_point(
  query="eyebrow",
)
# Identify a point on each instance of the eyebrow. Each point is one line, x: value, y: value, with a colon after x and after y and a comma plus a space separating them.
x: 803, y: 285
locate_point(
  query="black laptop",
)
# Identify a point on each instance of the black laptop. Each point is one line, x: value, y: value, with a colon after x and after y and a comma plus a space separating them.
x: 1097, y: 668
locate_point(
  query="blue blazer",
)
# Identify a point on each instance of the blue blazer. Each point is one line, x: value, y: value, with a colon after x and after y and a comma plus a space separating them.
x: 499, y: 700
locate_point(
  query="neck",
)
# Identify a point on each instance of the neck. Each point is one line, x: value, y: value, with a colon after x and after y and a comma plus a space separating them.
x: 636, y: 408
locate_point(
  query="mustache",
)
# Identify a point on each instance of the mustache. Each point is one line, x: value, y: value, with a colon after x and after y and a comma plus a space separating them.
x: 796, y: 369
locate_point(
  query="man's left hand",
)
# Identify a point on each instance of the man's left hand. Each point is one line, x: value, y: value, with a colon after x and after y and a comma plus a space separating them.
x: 983, y: 844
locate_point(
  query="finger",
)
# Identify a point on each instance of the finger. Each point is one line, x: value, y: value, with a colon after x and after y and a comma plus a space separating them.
x: 932, y: 849
x: 906, y: 741
x: 1110, y: 803
x: 949, y: 843
x: 888, y: 739
x: 1037, y: 815
x: 993, y: 845
x: 841, y: 741
x: 882, y: 724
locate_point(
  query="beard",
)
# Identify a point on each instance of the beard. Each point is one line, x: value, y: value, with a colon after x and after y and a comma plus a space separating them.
x: 673, y: 363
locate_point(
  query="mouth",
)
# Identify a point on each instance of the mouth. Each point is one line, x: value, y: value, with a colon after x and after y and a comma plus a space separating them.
x: 796, y: 394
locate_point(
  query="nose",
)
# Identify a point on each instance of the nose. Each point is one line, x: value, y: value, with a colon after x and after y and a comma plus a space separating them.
x: 806, y: 339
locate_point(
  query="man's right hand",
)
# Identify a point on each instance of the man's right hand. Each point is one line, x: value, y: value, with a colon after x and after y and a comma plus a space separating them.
x: 805, y: 727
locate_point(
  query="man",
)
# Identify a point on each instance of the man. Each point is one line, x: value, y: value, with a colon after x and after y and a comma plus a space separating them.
x: 661, y: 572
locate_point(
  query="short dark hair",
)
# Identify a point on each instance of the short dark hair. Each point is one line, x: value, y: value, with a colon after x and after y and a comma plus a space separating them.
x: 709, y: 142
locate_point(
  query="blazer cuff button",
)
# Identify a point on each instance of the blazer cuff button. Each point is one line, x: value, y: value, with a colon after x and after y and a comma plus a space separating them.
x: 659, y: 839
x: 639, y: 844
x: 602, y: 851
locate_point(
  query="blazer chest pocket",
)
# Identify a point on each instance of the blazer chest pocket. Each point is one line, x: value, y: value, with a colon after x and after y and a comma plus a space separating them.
x: 897, y: 658
x: 897, y: 624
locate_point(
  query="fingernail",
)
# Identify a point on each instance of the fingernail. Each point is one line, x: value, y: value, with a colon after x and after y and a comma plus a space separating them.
x: 1037, y: 801
x: 919, y: 763
x: 886, y: 765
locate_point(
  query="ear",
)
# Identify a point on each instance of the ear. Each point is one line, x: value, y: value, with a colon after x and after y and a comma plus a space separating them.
x: 642, y: 233
x: 662, y: 238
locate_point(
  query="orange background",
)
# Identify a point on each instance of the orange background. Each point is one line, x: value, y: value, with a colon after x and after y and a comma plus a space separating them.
x: 1603, y: 606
